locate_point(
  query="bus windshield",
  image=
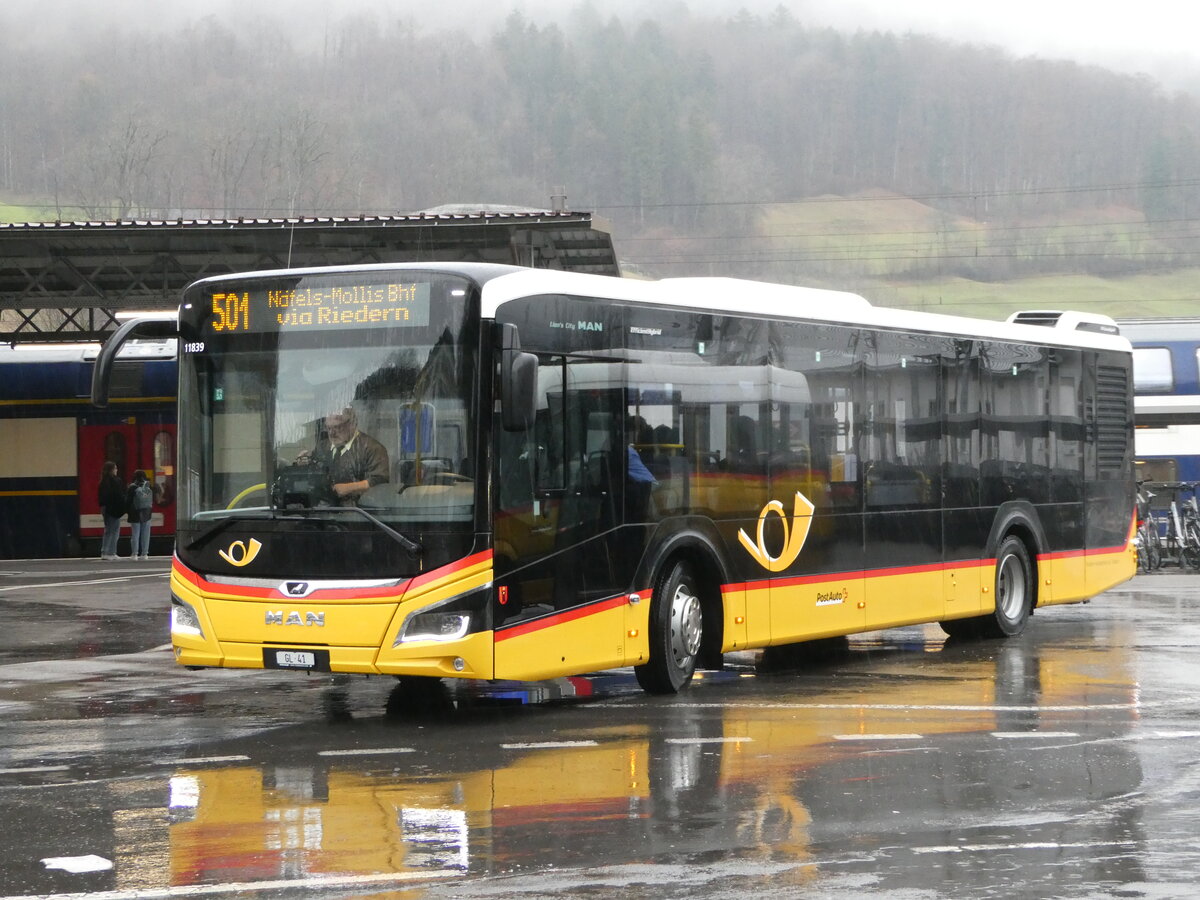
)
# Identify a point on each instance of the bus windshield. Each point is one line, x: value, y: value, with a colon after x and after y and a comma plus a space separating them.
x: 319, y: 399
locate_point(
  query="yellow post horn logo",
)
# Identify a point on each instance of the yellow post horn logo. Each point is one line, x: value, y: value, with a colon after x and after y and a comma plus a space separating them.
x: 794, y: 535
x: 239, y: 554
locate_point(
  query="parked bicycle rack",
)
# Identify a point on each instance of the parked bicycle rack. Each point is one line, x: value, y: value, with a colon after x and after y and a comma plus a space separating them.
x: 1168, y: 525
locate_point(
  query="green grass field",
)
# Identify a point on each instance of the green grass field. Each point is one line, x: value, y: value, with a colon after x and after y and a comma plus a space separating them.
x: 16, y: 210
x: 1175, y: 293
x: 897, y: 252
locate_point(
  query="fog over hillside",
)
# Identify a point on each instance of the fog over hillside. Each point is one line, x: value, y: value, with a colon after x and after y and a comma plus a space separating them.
x: 1154, y: 36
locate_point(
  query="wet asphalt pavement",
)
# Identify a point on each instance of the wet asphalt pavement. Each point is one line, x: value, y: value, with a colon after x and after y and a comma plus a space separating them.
x: 1064, y: 763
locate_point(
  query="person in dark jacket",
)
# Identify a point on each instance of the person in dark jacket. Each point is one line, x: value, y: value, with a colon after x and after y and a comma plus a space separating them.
x: 355, y: 461
x: 139, y: 504
x: 111, y: 496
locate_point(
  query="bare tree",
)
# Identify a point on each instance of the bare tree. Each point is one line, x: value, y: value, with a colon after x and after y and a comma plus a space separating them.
x: 117, y: 177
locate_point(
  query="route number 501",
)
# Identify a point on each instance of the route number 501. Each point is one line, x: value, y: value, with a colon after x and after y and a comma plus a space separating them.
x: 232, y: 312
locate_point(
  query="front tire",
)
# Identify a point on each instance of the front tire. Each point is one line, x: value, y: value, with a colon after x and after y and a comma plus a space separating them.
x: 676, y: 628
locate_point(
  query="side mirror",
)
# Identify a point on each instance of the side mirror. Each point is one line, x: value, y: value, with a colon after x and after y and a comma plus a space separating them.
x: 518, y: 381
x: 144, y: 327
x: 518, y: 389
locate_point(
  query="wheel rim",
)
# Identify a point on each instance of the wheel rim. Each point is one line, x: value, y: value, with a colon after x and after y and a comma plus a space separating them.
x: 1010, y: 588
x: 686, y: 625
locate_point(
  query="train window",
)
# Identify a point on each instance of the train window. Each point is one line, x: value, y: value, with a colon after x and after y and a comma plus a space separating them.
x: 1152, y: 370
x: 1161, y: 469
x: 38, y: 448
x: 115, y: 450
x: 164, y: 466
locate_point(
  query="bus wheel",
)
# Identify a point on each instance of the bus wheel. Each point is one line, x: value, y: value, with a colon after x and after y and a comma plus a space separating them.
x: 1014, y: 591
x: 676, y: 625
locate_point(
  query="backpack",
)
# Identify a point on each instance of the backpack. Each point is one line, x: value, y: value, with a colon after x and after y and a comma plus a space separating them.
x: 143, y: 497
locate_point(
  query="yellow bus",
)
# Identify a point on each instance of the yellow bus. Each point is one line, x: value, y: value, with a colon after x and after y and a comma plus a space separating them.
x: 465, y: 470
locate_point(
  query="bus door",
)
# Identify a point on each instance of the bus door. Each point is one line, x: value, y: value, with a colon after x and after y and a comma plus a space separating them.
x: 902, y: 489
x: 816, y: 535
x: 132, y: 446
x: 559, y: 501
x: 965, y: 522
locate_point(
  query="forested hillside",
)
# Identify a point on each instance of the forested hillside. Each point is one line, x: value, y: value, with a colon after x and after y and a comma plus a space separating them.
x: 749, y: 145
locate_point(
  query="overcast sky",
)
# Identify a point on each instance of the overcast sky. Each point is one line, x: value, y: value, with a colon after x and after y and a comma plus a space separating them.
x: 1161, y: 37
x: 1158, y: 36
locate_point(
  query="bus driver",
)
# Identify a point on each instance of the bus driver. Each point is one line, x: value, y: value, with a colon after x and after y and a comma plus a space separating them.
x: 355, y: 461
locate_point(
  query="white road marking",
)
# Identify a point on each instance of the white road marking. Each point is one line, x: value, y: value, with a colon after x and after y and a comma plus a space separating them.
x: 905, y: 707
x: 78, y: 864
x: 58, y: 584
x: 720, y: 740
x: 1033, y: 845
x: 1034, y: 734
x: 203, y: 760
x: 545, y: 745
x: 329, y: 882
x: 878, y: 737
x: 380, y: 751
x: 33, y: 769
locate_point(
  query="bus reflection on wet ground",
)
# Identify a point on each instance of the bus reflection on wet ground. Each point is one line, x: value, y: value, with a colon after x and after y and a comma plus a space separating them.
x: 867, y: 760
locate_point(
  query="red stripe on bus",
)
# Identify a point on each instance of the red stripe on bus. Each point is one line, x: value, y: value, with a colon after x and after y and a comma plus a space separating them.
x: 863, y: 573
x: 245, y: 592
x: 457, y: 566
x: 394, y: 591
x: 765, y: 583
x: 1066, y: 554
x: 1075, y: 554
x: 570, y: 615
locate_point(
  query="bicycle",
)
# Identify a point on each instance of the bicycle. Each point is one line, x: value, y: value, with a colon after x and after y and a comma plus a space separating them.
x: 1190, y: 521
x: 1147, y: 539
x: 1182, y: 535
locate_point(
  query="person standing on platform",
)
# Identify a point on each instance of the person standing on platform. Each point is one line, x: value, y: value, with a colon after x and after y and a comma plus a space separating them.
x: 111, y: 496
x: 139, y: 500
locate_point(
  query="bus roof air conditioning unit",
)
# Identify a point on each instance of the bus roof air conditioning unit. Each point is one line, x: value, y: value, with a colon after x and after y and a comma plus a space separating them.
x: 1073, y: 321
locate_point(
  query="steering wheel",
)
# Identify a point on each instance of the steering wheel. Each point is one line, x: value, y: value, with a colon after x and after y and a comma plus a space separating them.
x: 253, y: 489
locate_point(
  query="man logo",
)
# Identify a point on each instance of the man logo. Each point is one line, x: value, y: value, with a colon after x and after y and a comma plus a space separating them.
x: 239, y: 554
x: 794, y: 535
x: 297, y: 588
x: 276, y: 617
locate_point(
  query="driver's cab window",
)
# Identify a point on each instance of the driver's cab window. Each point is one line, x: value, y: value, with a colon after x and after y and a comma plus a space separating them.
x: 385, y: 429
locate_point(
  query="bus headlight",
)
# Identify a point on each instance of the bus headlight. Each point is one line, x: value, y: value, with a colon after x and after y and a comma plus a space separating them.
x: 448, y: 620
x: 184, y: 619
x: 435, y: 626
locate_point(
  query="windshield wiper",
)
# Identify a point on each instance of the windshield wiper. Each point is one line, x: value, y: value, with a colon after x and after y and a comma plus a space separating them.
x: 409, y: 545
x: 413, y: 548
x: 220, y: 526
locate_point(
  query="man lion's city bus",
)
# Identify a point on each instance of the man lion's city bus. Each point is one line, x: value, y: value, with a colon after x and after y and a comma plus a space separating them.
x: 571, y: 473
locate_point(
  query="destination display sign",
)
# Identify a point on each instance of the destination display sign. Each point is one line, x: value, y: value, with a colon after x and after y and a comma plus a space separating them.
x: 316, y: 308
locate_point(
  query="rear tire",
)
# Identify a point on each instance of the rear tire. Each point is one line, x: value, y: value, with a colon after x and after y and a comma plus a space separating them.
x: 1013, y: 591
x: 676, y: 628
x: 1014, y: 598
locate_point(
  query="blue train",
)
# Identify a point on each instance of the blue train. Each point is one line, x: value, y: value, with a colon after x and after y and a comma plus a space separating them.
x: 1167, y: 397
x: 53, y: 444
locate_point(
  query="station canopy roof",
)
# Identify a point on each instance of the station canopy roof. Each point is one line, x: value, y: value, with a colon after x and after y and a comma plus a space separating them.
x: 66, y: 281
